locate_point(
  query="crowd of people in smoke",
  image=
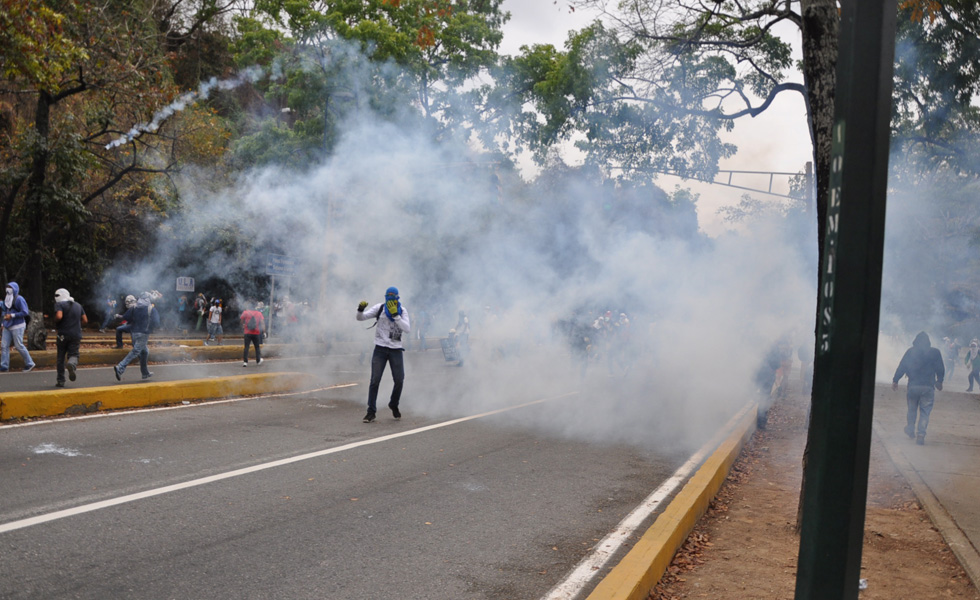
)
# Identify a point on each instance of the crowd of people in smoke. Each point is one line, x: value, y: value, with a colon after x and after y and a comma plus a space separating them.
x: 599, y: 337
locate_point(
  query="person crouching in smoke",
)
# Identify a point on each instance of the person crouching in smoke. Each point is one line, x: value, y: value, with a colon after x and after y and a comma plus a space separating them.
x: 391, y: 321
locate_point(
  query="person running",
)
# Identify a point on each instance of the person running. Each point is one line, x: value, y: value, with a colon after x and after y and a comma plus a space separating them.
x: 69, y: 317
x: 15, y: 314
x: 253, y: 326
x: 391, y: 320
x: 144, y: 318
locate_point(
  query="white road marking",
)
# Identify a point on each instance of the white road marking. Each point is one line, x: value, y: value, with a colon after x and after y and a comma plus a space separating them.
x: 123, y: 413
x: 61, y: 514
x: 593, y: 564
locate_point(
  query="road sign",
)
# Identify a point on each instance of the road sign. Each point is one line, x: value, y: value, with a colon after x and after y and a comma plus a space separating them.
x: 278, y: 264
x: 185, y: 284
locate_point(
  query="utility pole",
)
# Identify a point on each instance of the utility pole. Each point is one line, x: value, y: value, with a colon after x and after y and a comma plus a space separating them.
x: 836, y: 473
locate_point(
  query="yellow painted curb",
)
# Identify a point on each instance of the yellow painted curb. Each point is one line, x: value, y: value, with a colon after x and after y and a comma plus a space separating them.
x: 167, y: 354
x: 642, y: 567
x: 14, y: 405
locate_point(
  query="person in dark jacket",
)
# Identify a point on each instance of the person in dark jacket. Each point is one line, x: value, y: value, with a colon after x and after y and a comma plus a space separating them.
x: 924, y: 367
x: 69, y: 316
x: 145, y: 319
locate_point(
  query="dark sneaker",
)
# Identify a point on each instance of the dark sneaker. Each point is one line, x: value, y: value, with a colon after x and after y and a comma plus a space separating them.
x: 909, y: 431
x: 115, y: 370
x: 71, y: 372
x: 60, y: 384
x: 394, y: 412
x: 148, y: 375
x: 29, y: 369
x: 369, y: 418
x: 921, y: 440
x: 119, y: 347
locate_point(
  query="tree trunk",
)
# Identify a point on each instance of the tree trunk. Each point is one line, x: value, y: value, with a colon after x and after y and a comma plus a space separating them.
x: 32, y: 286
x: 821, y: 28
x: 37, y: 334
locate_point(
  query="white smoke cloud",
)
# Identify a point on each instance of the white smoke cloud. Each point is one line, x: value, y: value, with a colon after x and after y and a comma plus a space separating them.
x: 391, y: 207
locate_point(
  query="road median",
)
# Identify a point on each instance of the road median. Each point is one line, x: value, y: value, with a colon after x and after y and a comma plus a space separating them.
x: 23, y: 405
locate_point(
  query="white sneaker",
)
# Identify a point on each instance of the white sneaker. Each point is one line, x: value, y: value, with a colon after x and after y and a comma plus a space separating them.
x: 244, y: 364
x: 258, y: 362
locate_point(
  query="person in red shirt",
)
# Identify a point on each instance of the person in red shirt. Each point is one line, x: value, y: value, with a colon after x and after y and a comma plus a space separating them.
x: 253, y: 326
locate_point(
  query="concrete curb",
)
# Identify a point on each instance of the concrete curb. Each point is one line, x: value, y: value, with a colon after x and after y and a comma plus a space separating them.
x: 14, y: 405
x: 645, y: 564
x: 958, y: 542
x: 168, y: 354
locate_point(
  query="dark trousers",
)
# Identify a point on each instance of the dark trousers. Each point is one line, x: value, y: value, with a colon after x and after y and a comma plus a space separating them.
x: 67, y: 347
x: 973, y: 376
x: 382, y: 356
x: 256, y: 340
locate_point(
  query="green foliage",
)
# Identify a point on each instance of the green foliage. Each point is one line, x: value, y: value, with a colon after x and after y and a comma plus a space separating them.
x: 36, y: 48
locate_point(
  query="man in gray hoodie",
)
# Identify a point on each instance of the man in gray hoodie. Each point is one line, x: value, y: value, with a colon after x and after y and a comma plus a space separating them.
x: 925, y: 369
x: 14, y: 310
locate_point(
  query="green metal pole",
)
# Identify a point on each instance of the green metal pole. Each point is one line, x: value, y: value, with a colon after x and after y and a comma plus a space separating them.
x: 836, y: 474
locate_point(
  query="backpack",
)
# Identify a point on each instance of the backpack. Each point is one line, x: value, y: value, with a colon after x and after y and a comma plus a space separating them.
x: 252, y: 323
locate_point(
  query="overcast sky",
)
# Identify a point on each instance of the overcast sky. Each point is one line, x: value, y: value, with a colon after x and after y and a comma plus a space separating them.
x: 775, y: 141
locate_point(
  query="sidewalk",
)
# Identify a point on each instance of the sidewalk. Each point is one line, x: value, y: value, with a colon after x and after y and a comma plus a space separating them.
x: 745, y: 546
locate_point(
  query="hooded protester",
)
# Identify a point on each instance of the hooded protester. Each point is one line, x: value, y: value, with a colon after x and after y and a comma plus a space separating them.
x: 973, y: 362
x: 144, y: 318
x: 924, y: 367
x: 69, y: 317
x: 391, y: 320
x: 15, y: 314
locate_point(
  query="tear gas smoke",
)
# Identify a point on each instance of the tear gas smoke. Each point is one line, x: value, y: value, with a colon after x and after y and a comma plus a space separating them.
x: 391, y: 207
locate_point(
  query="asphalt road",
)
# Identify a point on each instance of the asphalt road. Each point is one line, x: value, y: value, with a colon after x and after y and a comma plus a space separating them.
x: 449, y: 502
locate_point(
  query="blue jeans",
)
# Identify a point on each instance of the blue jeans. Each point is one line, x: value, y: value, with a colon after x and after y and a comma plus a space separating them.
x: 17, y: 337
x: 127, y: 328
x: 381, y: 356
x: 920, y: 399
x: 139, y: 351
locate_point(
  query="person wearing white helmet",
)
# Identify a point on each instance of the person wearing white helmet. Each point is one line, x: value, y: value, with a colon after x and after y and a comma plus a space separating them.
x: 145, y: 319
x: 69, y: 317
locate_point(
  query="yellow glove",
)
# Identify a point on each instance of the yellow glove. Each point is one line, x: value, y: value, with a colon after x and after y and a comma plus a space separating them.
x: 392, y: 307
x: 361, y: 306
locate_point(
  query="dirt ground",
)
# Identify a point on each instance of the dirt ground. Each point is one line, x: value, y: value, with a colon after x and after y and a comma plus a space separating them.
x: 745, y: 547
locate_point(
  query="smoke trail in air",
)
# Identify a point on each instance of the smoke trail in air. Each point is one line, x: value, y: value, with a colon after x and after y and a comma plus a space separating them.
x: 203, y: 91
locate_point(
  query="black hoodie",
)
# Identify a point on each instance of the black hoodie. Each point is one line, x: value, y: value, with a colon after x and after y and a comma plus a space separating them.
x: 922, y: 363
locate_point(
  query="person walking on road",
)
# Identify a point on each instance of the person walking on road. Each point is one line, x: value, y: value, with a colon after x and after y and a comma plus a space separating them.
x: 201, y: 309
x: 391, y: 320
x: 110, y: 313
x: 253, y: 326
x: 924, y: 367
x: 972, y: 361
x: 69, y: 317
x: 144, y: 318
x: 125, y: 327
x: 15, y: 314
x: 215, y: 332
